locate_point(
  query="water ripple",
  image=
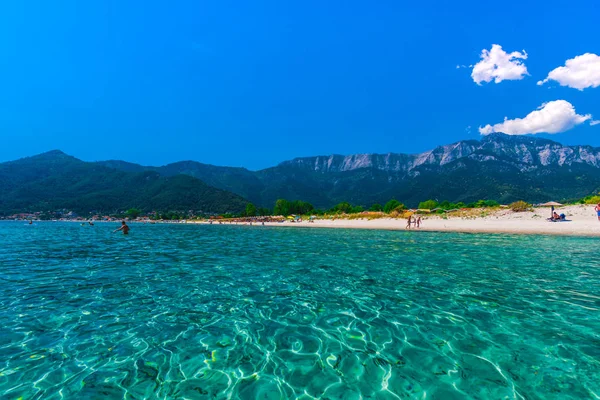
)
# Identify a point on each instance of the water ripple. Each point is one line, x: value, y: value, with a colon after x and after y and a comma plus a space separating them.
x: 254, y: 312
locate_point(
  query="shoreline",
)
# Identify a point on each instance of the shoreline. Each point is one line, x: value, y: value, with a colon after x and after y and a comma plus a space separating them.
x: 581, y: 221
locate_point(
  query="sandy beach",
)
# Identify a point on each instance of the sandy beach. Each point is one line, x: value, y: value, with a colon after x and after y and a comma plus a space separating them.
x: 581, y: 221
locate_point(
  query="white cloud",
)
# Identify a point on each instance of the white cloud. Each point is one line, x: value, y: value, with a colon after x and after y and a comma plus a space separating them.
x: 592, y: 123
x: 578, y: 73
x: 552, y: 117
x: 498, y: 65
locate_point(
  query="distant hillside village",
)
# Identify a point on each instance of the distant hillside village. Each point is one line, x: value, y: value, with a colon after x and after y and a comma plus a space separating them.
x: 67, y: 215
x: 57, y: 216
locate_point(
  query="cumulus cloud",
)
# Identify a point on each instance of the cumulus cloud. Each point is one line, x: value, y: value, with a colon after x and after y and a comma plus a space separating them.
x: 592, y: 123
x: 498, y: 65
x: 552, y: 117
x: 578, y: 73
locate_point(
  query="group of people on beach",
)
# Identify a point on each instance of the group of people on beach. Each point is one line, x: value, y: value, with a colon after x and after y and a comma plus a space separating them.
x: 416, y: 221
x: 246, y: 220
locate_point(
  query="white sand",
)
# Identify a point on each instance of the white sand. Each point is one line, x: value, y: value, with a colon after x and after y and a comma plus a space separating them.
x: 582, y: 221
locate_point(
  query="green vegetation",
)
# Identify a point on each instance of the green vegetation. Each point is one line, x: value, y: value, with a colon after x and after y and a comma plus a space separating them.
x: 251, y: 210
x: 428, y: 205
x: 520, y: 206
x: 486, y: 203
x: 393, y: 205
x: 446, y: 205
x: 343, y: 208
x: 595, y: 199
x: 395, y: 209
x: 264, y: 211
x: 171, y: 216
x: 392, y: 208
x: 133, y: 213
x: 376, y: 207
x: 346, y: 208
x: 286, y: 207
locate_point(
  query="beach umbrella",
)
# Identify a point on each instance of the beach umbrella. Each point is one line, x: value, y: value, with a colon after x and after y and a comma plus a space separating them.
x: 551, y: 204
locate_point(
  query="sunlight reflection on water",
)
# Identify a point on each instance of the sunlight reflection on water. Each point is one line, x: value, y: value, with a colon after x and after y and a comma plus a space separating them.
x: 258, y: 312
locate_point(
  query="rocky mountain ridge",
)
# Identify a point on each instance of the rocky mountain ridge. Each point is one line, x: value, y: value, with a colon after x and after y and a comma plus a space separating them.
x: 525, y: 152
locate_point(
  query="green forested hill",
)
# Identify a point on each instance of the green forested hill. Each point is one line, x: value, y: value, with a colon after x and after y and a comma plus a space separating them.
x: 55, y: 180
x: 499, y: 167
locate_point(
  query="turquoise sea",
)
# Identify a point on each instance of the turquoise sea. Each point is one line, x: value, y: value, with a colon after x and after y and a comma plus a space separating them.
x: 195, y: 312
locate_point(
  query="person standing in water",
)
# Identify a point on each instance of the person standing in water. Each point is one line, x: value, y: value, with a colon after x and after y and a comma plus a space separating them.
x: 124, y: 227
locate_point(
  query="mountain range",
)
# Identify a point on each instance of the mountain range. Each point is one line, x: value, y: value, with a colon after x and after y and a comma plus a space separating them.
x: 499, y: 167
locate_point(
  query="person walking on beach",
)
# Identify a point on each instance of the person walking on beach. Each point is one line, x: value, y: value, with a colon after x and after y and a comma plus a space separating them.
x: 419, y: 221
x: 408, y: 222
x: 597, y: 208
x: 124, y: 227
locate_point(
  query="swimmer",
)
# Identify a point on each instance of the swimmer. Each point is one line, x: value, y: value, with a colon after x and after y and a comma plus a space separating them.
x: 124, y: 227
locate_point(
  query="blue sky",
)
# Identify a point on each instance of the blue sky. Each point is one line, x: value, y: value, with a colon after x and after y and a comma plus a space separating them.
x: 255, y: 83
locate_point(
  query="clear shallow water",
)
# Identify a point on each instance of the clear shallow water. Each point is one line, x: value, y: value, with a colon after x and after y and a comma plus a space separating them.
x: 254, y: 312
